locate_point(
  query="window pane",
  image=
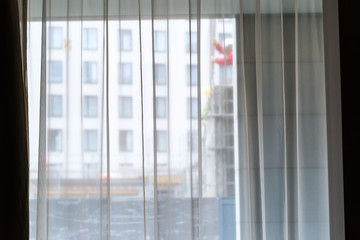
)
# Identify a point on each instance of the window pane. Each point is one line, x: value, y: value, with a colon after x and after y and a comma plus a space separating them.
x: 192, y: 109
x: 222, y: 38
x: 55, y: 37
x: 90, y: 140
x: 126, y: 140
x: 225, y: 74
x: 161, y: 107
x: 55, y: 105
x: 90, y: 106
x: 126, y: 40
x: 126, y: 73
x: 193, y: 42
x: 55, y: 140
x: 160, y: 74
x: 90, y: 39
x: 193, y: 73
x: 161, y: 140
x: 90, y: 72
x: 55, y: 71
x: 125, y: 107
x: 160, y: 41
x: 192, y: 142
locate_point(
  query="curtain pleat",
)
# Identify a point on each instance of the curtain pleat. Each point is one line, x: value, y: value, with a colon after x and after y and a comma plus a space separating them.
x: 14, y: 147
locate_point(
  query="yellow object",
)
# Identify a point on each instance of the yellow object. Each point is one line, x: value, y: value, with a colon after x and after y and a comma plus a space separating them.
x: 165, y: 180
x: 207, y: 91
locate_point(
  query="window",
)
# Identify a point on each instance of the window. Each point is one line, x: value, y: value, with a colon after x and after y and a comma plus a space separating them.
x: 55, y: 71
x: 192, y: 108
x: 192, y: 143
x: 90, y: 39
x: 126, y: 140
x: 90, y: 106
x: 161, y: 141
x: 193, y: 42
x: 225, y: 74
x: 125, y: 107
x: 222, y: 37
x: 55, y: 37
x: 161, y: 107
x: 126, y: 40
x: 90, y: 72
x: 125, y: 70
x: 160, y: 74
x: 194, y: 73
x: 55, y: 140
x: 90, y: 140
x: 159, y: 41
x: 55, y: 105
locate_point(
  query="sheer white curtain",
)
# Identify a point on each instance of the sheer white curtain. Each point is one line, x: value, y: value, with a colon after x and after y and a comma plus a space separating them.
x: 177, y: 120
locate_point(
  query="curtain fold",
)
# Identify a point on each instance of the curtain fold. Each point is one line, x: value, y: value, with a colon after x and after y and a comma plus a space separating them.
x: 177, y: 120
x: 14, y: 147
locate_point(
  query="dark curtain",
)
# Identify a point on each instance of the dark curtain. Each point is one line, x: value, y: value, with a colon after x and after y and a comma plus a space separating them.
x: 349, y: 66
x: 13, y: 111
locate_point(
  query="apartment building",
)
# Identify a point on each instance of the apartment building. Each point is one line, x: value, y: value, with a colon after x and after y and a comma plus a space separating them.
x: 76, y: 94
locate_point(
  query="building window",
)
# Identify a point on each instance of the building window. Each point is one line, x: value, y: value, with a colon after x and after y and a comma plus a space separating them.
x: 225, y: 74
x: 160, y: 41
x: 90, y: 72
x: 90, y: 140
x: 192, y: 142
x: 90, y: 39
x: 161, y: 141
x: 55, y: 37
x: 125, y: 107
x: 55, y: 71
x: 192, y: 108
x: 160, y: 74
x: 194, y: 74
x: 222, y: 37
x: 161, y: 107
x: 193, y: 42
x: 90, y: 106
x: 55, y: 140
x: 126, y: 40
x: 55, y: 106
x: 126, y: 140
x: 125, y: 70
